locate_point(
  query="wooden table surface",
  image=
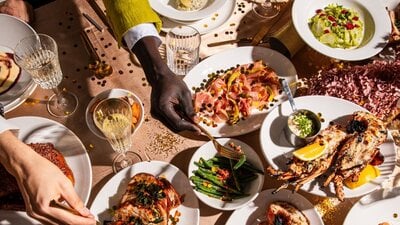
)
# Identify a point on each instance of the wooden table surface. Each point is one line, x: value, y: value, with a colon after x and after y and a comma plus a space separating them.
x: 63, y: 20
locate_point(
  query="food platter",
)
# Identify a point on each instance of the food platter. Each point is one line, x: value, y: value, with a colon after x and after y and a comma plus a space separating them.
x: 277, y: 150
x: 169, y: 9
x: 378, y: 207
x: 255, y: 211
x: 111, y: 192
x: 111, y: 93
x: 205, y: 25
x: 41, y: 130
x: 232, y: 57
x: 377, y: 27
x: 208, y: 151
x: 24, y: 86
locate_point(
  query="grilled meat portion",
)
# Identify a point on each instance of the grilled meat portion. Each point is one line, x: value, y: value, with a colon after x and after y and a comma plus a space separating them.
x: 367, y: 133
x: 147, y: 200
x: 284, y: 213
x: 300, y: 172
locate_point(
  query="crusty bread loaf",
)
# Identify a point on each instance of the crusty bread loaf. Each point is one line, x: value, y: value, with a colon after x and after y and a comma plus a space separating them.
x: 10, y: 196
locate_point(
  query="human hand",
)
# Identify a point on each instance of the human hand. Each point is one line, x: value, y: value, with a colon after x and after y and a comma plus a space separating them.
x: 18, y: 8
x: 40, y: 181
x: 171, y: 103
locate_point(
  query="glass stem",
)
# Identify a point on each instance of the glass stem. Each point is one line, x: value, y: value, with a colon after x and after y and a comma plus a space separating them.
x: 59, y: 95
x: 124, y: 161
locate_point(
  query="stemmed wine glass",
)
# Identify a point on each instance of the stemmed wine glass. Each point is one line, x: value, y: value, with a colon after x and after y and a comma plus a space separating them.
x: 113, y: 116
x: 38, y: 55
x: 266, y: 9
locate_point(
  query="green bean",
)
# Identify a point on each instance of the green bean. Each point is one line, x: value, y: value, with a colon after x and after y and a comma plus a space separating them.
x: 235, y: 179
x: 209, y: 186
x: 241, y: 161
x: 223, y: 198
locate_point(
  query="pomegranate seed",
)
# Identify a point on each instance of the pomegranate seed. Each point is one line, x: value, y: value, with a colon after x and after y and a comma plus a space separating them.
x: 355, y: 18
x: 318, y: 11
x: 331, y: 18
x: 326, y: 31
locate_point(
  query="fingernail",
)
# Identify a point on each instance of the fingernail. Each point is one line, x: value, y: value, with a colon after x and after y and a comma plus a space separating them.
x: 86, y: 212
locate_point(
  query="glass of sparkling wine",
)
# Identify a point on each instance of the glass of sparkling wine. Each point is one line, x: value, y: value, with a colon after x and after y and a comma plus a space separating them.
x: 113, y: 116
x: 38, y: 55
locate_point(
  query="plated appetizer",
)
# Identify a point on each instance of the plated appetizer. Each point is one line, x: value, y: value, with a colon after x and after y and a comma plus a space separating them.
x: 147, y: 200
x: 284, y: 213
x: 231, y: 95
x: 222, y: 178
x: 337, y: 26
x: 190, y: 5
x: 9, y: 72
x: 341, y: 152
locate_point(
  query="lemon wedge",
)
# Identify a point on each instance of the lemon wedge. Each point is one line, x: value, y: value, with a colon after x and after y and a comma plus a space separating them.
x: 367, y: 174
x: 311, y: 151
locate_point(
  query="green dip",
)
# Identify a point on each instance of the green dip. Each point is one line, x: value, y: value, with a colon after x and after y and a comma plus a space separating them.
x: 337, y: 27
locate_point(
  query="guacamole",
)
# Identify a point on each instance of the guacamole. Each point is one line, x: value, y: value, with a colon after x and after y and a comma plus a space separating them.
x: 337, y: 26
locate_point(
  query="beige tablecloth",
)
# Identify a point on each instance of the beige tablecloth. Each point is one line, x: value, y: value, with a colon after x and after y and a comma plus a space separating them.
x: 63, y: 20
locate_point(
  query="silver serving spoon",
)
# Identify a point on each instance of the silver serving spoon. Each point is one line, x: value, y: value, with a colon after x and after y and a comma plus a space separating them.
x: 288, y: 92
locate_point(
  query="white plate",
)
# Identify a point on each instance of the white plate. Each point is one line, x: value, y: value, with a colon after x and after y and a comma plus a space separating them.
x: 276, y: 149
x: 111, y: 93
x: 168, y: 9
x: 38, y: 129
x: 249, y: 214
x: 241, y: 55
x: 205, y: 25
x: 375, y: 208
x: 208, y: 151
x: 17, y: 29
x: 113, y: 190
x: 376, y: 20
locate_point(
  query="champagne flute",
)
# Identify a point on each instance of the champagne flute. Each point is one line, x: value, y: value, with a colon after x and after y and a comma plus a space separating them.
x: 113, y: 116
x: 38, y: 55
x: 266, y: 9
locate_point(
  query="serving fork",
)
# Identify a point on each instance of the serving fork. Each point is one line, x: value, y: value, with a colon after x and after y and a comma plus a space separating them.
x: 221, y: 149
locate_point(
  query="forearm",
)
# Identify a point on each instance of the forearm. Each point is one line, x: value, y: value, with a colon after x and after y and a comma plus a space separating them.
x: 146, y: 50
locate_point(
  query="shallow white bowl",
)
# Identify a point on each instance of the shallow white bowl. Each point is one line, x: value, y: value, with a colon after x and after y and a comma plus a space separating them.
x: 208, y: 151
x: 169, y: 9
x: 111, y: 93
x: 377, y: 27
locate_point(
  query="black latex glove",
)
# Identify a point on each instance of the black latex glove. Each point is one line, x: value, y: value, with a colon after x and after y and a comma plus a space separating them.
x: 171, y: 100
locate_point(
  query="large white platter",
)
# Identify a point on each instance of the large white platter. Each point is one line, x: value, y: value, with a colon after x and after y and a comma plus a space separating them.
x: 241, y: 55
x: 377, y: 27
x: 378, y: 207
x: 41, y: 130
x: 206, y: 25
x: 255, y: 211
x: 168, y: 9
x: 16, y: 30
x: 113, y: 190
x: 277, y: 150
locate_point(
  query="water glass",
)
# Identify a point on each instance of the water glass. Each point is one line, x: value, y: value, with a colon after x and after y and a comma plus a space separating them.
x: 38, y: 55
x: 182, y: 45
x: 113, y: 117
